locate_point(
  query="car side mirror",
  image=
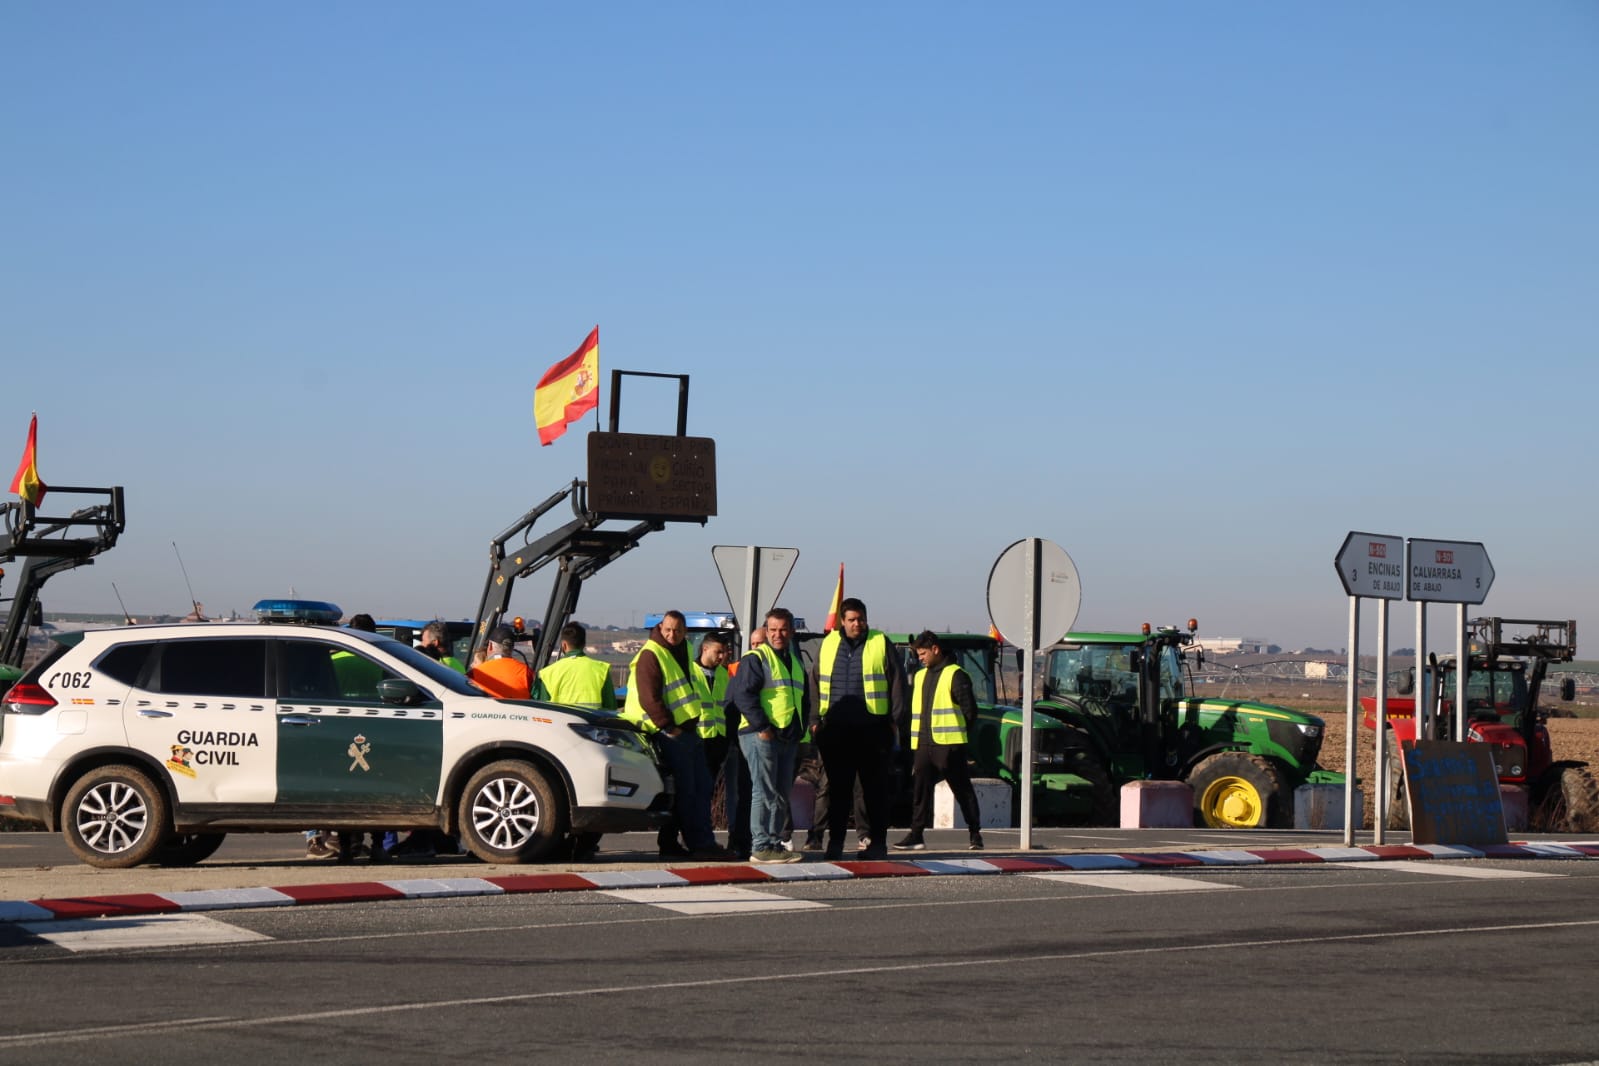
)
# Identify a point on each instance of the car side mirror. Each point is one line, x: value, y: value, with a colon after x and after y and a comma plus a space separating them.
x: 398, y: 690
x: 1407, y: 684
x: 1568, y: 689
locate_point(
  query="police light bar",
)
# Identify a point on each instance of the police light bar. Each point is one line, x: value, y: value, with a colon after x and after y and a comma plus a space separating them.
x: 306, y: 612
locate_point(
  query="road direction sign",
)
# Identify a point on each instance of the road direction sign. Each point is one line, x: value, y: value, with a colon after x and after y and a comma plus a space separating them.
x: 1055, y: 594
x: 1448, y: 571
x: 753, y: 577
x: 1372, y: 565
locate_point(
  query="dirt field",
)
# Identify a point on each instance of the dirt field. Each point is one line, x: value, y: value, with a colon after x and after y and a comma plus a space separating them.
x: 1572, y: 738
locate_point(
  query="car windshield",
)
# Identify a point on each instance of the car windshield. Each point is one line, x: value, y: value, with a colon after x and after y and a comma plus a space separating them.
x: 436, y: 672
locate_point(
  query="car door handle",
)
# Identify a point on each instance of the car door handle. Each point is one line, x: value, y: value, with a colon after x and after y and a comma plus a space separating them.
x: 149, y: 713
x: 299, y: 719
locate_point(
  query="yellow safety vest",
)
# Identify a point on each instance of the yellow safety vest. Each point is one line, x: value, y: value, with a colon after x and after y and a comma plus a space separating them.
x: 949, y: 724
x: 577, y: 681
x: 681, y: 693
x: 784, y: 690
x: 713, y: 713
x: 874, y: 671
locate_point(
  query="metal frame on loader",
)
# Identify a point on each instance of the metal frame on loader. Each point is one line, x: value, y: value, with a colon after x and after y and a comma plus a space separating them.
x: 49, y: 545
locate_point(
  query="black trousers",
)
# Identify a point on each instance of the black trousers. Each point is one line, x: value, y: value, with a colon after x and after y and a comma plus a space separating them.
x: 857, y: 748
x: 946, y: 762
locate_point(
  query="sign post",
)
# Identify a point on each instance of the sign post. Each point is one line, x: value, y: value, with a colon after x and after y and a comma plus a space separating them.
x: 1369, y: 565
x: 1033, y: 597
x: 752, y: 577
x: 1445, y: 571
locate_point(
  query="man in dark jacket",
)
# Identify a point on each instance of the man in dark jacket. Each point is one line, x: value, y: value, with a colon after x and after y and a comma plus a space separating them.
x: 943, y: 712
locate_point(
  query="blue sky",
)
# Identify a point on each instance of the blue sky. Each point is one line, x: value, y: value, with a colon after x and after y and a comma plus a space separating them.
x: 1190, y: 289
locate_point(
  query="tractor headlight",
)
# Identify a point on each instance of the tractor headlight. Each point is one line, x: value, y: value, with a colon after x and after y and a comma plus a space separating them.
x: 1310, y: 729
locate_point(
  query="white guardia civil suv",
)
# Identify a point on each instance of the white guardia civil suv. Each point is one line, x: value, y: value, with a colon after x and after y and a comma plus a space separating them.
x: 150, y: 743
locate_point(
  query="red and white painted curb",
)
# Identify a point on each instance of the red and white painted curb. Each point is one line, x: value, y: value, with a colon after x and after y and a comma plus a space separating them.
x: 512, y: 884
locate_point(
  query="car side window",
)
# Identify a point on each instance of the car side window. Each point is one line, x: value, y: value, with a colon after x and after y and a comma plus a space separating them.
x: 314, y: 670
x: 212, y: 668
x: 126, y: 662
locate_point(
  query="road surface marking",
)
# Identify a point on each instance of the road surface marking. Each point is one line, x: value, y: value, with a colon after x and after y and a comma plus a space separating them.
x: 1134, y: 882
x: 712, y: 899
x: 1452, y: 869
x: 141, y: 931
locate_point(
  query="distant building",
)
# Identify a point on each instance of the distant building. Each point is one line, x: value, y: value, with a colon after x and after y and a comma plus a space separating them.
x: 1235, y: 645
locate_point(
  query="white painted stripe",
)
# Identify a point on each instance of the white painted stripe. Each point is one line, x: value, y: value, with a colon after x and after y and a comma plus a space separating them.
x: 957, y: 866
x: 1226, y: 857
x: 1125, y: 882
x: 1456, y: 869
x: 1555, y: 851
x: 1450, y: 851
x: 1345, y: 854
x: 1093, y: 862
x: 632, y: 878
x: 805, y: 871
x: 216, y: 899
x: 16, y: 910
x: 140, y: 931
x: 713, y: 899
x: 425, y: 888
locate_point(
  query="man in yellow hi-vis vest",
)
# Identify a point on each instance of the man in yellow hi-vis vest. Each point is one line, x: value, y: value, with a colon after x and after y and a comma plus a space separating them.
x: 860, y: 684
x: 664, y: 695
x: 772, y: 695
x: 943, y: 712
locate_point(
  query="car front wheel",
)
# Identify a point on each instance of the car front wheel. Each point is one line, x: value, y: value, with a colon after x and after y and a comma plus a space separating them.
x: 509, y: 813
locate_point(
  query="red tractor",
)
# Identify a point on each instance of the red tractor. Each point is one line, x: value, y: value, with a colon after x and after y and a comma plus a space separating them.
x: 1509, y: 660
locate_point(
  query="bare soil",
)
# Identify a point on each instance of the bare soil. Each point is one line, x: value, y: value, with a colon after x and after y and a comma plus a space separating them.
x: 1571, y: 738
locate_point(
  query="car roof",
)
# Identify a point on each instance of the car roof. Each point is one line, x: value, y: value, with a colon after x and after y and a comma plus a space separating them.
x: 187, y: 630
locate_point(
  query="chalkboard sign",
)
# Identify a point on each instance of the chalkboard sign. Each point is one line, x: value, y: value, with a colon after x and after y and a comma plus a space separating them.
x: 1453, y: 793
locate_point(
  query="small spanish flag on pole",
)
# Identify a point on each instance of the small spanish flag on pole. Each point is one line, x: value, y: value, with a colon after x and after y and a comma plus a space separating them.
x: 838, y: 597
x: 568, y: 390
x: 27, y: 483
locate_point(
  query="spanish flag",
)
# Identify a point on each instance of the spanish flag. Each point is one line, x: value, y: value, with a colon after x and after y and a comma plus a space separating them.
x: 568, y: 390
x: 27, y: 483
x: 838, y: 597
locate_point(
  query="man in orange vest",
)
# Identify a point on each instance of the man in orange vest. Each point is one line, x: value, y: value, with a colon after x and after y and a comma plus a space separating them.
x: 501, y: 674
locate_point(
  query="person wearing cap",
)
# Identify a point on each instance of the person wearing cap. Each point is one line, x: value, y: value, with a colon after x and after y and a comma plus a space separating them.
x: 665, y: 694
x: 943, y: 711
x: 501, y: 674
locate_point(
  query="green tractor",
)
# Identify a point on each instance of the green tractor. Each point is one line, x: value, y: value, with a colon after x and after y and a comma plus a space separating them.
x: 1128, y: 700
x: 1069, y: 783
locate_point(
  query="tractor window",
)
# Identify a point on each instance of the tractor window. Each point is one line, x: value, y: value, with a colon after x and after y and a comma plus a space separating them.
x: 1171, y: 674
x: 1102, y: 672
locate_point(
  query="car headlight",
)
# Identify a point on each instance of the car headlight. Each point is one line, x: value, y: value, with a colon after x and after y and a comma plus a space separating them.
x: 610, y: 738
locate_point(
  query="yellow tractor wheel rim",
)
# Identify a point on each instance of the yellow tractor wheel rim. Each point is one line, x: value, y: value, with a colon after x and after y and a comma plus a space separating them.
x: 1233, y: 803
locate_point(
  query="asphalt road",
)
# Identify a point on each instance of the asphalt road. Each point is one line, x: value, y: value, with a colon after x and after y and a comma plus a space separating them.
x: 1435, y: 961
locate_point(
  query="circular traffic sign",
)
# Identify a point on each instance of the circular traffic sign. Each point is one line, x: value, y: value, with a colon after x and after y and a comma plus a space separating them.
x: 1054, y: 592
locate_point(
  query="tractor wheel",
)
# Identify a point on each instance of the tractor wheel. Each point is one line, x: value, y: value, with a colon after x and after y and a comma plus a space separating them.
x: 1234, y: 790
x: 1087, y: 765
x: 1566, y: 800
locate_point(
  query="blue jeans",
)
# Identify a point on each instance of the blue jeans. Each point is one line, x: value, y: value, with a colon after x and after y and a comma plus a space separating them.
x: 692, y: 804
x: 771, y: 766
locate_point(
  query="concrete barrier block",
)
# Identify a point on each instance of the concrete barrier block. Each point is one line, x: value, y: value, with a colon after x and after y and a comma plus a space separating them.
x: 993, y: 805
x: 1157, y: 805
x: 802, y: 804
x: 1322, y: 807
x: 1514, y: 799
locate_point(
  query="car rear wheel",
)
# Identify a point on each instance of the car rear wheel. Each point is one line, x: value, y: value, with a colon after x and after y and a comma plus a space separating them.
x: 1233, y: 790
x: 186, y: 849
x: 114, y: 817
x: 509, y: 813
